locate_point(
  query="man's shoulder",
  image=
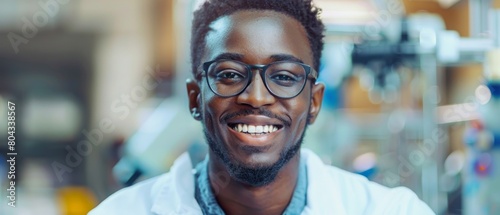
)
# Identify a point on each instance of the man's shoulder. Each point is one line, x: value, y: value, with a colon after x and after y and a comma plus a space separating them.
x: 357, y: 190
x: 353, y: 181
x: 136, y: 199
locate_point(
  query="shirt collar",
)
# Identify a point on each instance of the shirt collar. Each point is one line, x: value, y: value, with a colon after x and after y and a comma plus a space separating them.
x: 206, y: 198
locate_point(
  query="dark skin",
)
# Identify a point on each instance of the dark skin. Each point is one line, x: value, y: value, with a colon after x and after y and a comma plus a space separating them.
x: 256, y: 37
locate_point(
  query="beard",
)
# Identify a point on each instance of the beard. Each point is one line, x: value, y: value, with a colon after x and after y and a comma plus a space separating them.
x: 253, y: 175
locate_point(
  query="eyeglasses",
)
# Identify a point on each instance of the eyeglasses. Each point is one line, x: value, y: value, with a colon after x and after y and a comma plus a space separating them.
x: 283, y: 79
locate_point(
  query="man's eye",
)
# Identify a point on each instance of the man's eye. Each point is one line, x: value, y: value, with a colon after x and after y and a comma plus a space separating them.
x: 282, y: 77
x: 229, y: 75
x: 285, y: 78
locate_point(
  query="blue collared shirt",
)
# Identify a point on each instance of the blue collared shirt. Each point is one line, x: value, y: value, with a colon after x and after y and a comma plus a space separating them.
x: 208, y: 204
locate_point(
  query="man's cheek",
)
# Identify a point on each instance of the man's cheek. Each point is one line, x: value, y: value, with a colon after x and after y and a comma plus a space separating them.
x: 300, y: 123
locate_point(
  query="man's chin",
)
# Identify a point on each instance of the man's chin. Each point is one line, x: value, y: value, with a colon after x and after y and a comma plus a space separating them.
x: 249, y: 173
x: 255, y: 177
x: 252, y: 173
x: 253, y: 160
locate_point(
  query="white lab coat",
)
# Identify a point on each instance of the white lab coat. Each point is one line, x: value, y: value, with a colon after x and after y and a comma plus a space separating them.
x: 330, y: 190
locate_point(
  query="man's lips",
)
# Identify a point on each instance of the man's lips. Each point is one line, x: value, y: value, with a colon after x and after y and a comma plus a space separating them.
x: 254, y: 124
x: 263, y: 139
x: 255, y: 116
x: 256, y: 130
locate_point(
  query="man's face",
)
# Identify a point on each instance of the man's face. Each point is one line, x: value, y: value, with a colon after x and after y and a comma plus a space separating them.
x: 256, y: 37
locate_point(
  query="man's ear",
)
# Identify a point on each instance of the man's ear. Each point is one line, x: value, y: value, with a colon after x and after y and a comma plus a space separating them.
x: 193, y: 90
x: 316, y: 100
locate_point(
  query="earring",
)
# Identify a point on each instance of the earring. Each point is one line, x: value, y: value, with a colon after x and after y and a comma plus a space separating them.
x: 196, y: 115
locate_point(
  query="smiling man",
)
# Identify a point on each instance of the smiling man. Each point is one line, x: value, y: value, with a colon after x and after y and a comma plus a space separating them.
x: 255, y: 65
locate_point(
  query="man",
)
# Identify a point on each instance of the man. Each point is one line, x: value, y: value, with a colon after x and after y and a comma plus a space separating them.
x: 255, y: 64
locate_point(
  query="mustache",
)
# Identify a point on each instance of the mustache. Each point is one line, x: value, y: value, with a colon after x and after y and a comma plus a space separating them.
x: 260, y: 111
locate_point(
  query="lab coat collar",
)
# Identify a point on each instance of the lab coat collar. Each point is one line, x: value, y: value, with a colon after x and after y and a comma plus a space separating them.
x: 322, y: 190
x: 175, y: 194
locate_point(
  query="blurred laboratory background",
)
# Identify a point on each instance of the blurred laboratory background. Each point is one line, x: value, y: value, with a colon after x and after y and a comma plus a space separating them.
x: 412, y: 98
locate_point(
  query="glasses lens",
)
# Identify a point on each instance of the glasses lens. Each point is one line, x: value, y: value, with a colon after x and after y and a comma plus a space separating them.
x: 285, y: 79
x: 227, y: 78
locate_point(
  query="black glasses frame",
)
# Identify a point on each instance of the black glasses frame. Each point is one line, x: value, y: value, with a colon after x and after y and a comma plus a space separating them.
x: 262, y: 70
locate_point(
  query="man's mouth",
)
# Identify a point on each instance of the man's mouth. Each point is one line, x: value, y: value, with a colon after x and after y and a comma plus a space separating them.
x: 254, y: 129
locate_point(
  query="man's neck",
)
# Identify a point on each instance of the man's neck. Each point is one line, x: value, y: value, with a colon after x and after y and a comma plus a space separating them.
x: 237, y: 198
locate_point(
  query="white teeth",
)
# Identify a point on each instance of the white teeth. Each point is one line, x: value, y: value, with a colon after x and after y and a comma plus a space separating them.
x: 259, y: 129
x: 251, y: 129
x: 255, y: 129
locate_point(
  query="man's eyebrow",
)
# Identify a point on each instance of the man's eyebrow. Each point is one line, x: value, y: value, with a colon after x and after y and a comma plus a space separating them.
x: 228, y: 56
x: 286, y: 57
x: 239, y: 57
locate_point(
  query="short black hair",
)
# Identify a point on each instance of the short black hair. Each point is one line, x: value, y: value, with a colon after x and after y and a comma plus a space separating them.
x: 302, y: 10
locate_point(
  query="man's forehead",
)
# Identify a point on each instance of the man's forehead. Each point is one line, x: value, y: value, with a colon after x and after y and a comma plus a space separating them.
x: 257, y: 32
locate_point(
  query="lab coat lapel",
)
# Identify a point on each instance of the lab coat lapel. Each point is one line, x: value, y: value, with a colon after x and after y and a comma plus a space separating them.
x: 176, y: 196
x: 322, y: 189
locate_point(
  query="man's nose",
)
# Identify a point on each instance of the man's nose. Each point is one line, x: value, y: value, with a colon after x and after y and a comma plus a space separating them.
x: 256, y: 94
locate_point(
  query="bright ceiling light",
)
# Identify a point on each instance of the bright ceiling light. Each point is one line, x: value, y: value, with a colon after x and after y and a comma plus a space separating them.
x: 447, y: 3
x: 346, y: 12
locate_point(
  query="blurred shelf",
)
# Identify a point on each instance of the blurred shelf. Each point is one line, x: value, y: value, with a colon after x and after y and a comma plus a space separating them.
x: 457, y: 113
